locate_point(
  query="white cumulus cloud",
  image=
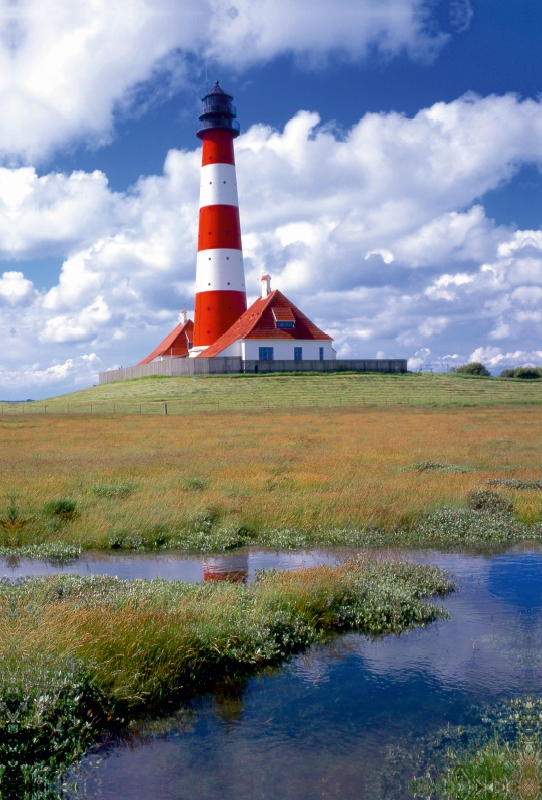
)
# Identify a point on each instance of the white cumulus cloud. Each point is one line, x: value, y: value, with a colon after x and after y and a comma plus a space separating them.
x: 65, y: 68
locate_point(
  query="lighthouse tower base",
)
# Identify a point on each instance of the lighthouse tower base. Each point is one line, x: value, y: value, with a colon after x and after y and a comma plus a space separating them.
x: 196, y: 351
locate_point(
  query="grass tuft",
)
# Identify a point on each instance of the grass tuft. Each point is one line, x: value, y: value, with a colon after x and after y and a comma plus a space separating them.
x: 437, y: 466
x: 65, y: 509
x: 123, y: 489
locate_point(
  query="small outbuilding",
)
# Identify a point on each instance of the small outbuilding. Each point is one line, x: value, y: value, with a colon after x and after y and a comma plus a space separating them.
x: 273, y: 329
x: 176, y: 345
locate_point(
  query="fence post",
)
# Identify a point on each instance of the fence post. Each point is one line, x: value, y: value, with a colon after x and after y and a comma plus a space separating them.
x: 165, y: 409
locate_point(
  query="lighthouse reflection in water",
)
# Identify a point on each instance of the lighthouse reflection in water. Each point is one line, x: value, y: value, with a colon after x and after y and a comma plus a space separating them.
x: 231, y: 568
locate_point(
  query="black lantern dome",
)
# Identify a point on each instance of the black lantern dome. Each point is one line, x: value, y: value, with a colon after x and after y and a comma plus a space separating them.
x: 218, y: 113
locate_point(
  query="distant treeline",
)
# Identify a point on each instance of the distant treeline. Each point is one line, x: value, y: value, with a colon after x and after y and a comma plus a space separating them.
x: 477, y: 368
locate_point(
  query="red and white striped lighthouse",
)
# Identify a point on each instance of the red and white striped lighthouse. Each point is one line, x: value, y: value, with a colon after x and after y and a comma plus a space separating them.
x: 220, y: 277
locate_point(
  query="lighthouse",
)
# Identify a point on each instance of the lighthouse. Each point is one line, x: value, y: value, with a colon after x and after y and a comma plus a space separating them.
x: 273, y: 328
x: 220, y: 278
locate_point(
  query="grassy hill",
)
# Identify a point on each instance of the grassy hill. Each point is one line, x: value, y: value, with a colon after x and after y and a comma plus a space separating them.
x: 251, y: 392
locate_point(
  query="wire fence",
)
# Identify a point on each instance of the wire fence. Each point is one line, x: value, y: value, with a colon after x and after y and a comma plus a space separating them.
x: 174, y: 407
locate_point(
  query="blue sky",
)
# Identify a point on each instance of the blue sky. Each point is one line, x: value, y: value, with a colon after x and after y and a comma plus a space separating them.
x: 427, y: 247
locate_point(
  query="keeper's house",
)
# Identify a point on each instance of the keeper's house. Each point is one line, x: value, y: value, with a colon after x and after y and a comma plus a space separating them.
x: 273, y: 329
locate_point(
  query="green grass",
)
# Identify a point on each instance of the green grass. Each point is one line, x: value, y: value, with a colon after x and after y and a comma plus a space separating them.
x: 505, y: 768
x: 80, y: 655
x: 211, y: 393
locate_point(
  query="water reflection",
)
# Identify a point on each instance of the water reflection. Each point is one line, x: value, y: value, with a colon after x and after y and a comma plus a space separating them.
x: 230, y: 568
x: 170, y: 565
x: 347, y: 719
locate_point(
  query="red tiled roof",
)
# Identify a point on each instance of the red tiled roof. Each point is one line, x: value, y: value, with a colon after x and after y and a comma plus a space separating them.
x: 176, y: 344
x: 258, y: 322
x: 283, y: 314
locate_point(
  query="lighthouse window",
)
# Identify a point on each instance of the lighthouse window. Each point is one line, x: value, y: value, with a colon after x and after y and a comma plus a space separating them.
x: 266, y: 354
x: 298, y: 354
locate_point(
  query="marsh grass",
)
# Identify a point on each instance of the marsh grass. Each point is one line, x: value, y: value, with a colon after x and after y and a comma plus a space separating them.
x: 81, y: 654
x: 232, y: 479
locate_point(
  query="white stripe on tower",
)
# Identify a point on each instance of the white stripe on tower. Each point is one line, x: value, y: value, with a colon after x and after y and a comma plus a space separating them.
x: 220, y: 270
x: 218, y: 185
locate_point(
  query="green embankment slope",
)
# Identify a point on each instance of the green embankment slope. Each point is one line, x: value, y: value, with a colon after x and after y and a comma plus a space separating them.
x: 148, y: 395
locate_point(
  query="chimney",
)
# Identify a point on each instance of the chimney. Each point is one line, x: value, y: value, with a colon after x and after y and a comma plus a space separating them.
x: 183, y: 315
x: 266, y: 286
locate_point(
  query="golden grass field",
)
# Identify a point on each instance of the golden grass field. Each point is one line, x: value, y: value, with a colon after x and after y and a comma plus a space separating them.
x: 332, y: 468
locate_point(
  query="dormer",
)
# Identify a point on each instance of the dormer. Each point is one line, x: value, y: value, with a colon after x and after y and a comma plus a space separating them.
x: 284, y: 318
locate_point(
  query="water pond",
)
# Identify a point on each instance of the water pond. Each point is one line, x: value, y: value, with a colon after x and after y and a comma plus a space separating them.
x: 355, y: 718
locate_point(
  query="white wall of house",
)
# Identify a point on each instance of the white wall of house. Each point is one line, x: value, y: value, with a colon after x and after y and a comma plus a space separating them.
x: 232, y: 350
x: 283, y: 349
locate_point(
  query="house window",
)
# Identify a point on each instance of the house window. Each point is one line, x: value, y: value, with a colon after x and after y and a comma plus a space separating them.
x: 266, y: 354
x: 284, y: 318
x: 321, y: 354
x: 298, y: 354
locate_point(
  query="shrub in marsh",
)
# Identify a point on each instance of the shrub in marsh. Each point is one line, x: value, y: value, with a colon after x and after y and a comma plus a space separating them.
x: 439, y: 466
x: 194, y: 484
x: 515, y: 483
x: 119, y: 490
x: 47, y: 551
x: 473, y: 368
x: 486, y: 500
x: 63, y: 509
x: 209, y: 538
x: 465, y: 526
x: 49, y: 715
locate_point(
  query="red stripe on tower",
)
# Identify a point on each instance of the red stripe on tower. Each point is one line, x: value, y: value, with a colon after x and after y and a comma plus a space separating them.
x: 220, y: 278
